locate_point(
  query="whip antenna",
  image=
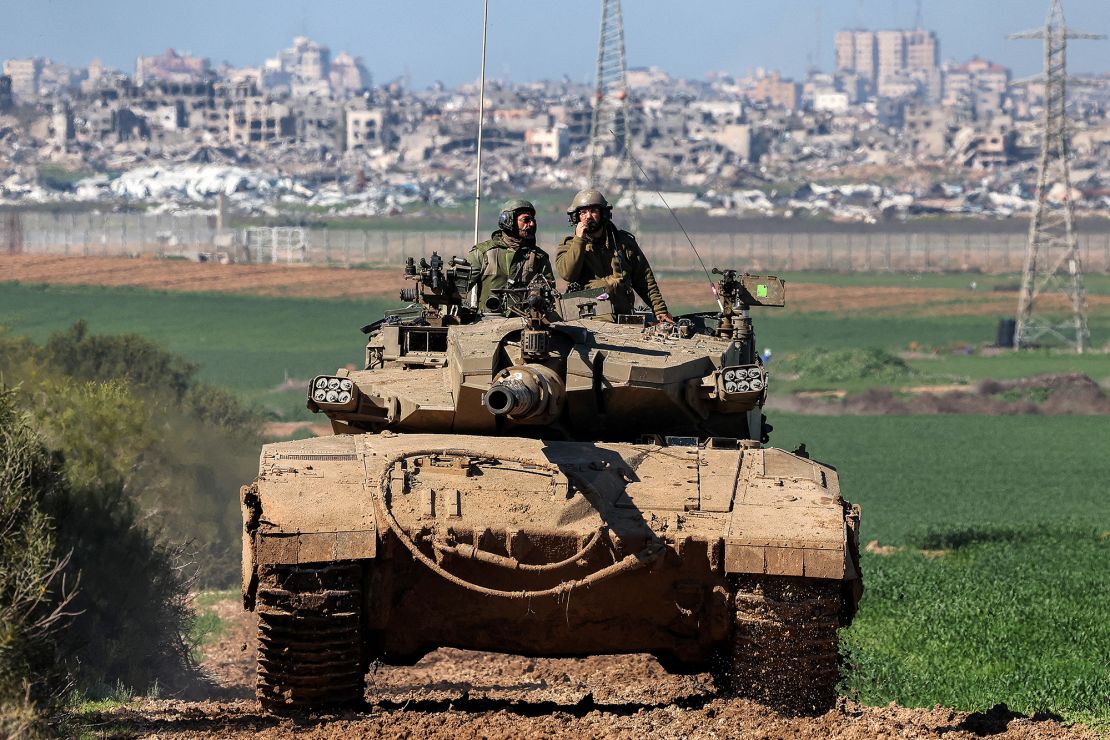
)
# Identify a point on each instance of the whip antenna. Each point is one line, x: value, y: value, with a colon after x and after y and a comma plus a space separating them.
x: 651, y: 183
x: 481, y: 118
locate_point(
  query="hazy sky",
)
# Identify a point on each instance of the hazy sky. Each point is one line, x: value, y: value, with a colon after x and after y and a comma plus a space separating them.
x: 530, y: 40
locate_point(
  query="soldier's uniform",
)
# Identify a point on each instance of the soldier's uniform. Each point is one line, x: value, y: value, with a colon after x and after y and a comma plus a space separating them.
x: 501, y: 259
x: 614, y: 262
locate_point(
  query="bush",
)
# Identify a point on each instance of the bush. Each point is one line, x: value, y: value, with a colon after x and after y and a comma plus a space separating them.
x: 135, y: 617
x: 32, y: 596
x: 126, y: 625
x: 124, y: 356
x: 100, y: 429
x: 138, y: 418
x: 842, y: 365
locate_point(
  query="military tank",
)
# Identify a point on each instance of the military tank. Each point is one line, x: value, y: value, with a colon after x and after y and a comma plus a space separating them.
x: 545, y: 478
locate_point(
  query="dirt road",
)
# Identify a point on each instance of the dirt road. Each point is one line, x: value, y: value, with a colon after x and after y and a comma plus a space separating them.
x: 460, y: 694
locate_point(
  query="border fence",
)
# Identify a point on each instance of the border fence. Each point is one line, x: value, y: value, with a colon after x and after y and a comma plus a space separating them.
x: 866, y: 248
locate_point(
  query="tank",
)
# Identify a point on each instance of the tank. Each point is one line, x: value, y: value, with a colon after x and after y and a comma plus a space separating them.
x: 545, y: 478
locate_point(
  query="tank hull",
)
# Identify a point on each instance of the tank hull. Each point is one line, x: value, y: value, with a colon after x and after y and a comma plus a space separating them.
x: 545, y: 548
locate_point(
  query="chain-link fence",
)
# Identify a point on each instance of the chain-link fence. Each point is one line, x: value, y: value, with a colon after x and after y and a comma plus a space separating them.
x: 866, y: 249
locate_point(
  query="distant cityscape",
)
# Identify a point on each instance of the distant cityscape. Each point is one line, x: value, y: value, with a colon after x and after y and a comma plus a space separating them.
x: 893, y: 131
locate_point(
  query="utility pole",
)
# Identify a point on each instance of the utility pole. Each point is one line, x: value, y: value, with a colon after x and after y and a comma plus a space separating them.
x: 609, y: 128
x: 1052, y: 260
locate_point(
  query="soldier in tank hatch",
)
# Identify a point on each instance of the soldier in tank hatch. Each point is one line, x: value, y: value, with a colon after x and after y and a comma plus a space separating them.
x: 600, y: 255
x: 510, y: 257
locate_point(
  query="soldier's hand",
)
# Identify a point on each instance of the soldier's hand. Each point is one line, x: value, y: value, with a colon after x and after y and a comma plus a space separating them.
x: 665, y: 317
x: 580, y: 228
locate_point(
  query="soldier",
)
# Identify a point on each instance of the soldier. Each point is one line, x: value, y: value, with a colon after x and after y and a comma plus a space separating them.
x: 510, y: 257
x: 599, y: 255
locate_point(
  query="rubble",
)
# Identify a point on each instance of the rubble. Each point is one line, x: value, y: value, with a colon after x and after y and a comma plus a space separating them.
x: 297, y: 135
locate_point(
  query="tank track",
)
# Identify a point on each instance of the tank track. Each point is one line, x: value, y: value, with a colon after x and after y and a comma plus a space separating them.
x: 310, y: 646
x: 784, y: 647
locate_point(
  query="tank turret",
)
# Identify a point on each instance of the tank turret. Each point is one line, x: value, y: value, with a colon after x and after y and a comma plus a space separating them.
x: 443, y: 367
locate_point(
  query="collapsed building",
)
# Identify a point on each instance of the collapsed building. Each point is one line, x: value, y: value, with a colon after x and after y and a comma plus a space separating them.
x: 733, y: 143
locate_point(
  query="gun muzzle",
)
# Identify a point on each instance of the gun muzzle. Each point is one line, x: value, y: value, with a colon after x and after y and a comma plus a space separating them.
x: 526, y: 394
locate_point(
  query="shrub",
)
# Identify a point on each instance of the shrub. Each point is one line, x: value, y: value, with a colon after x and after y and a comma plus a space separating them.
x: 78, y: 354
x: 33, y: 597
x: 137, y: 417
x: 841, y: 365
x: 134, y: 610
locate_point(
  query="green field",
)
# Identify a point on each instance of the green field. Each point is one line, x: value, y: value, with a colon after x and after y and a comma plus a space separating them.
x: 250, y: 344
x: 1096, y: 284
x: 1013, y: 608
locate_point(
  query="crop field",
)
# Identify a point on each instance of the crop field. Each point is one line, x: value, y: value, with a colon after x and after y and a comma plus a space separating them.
x: 989, y: 581
x: 988, y: 578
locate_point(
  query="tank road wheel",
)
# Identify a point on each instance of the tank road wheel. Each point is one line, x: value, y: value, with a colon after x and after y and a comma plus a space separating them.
x: 310, y: 636
x: 784, y: 643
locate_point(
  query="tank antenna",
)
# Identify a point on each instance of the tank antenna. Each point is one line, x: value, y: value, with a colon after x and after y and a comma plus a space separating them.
x: 481, y: 119
x: 655, y: 187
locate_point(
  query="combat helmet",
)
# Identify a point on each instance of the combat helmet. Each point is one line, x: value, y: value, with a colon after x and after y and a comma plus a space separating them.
x: 588, y: 197
x: 510, y: 209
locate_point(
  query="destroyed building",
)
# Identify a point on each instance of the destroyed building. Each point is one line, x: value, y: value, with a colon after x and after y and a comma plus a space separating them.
x: 313, y: 128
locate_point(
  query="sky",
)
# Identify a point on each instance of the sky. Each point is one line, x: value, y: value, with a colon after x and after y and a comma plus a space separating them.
x: 441, y: 40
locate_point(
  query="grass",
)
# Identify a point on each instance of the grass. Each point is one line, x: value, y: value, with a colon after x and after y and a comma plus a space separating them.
x: 207, y: 627
x: 914, y: 474
x: 247, y: 343
x: 206, y: 600
x: 253, y: 344
x: 1015, y: 611
x: 1018, y: 618
x: 973, y: 367
x: 1096, y: 283
x: 858, y: 369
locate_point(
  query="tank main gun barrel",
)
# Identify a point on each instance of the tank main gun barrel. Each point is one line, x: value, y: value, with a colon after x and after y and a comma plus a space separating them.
x: 526, y: 394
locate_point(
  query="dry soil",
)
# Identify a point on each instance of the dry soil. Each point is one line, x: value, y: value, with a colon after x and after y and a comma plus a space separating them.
x: 462, y: 694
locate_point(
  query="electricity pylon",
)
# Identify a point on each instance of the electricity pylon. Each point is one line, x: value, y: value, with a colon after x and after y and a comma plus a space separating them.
x: 1052, y: 260
x: 609, y: 128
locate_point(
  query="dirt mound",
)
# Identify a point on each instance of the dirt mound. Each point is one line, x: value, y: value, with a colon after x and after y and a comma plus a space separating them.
x: 1049, y: 395
x: 456, y: 693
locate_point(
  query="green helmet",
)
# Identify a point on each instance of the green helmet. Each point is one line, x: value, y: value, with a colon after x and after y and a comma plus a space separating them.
x: 588, y: 197
x: 510, y: 209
